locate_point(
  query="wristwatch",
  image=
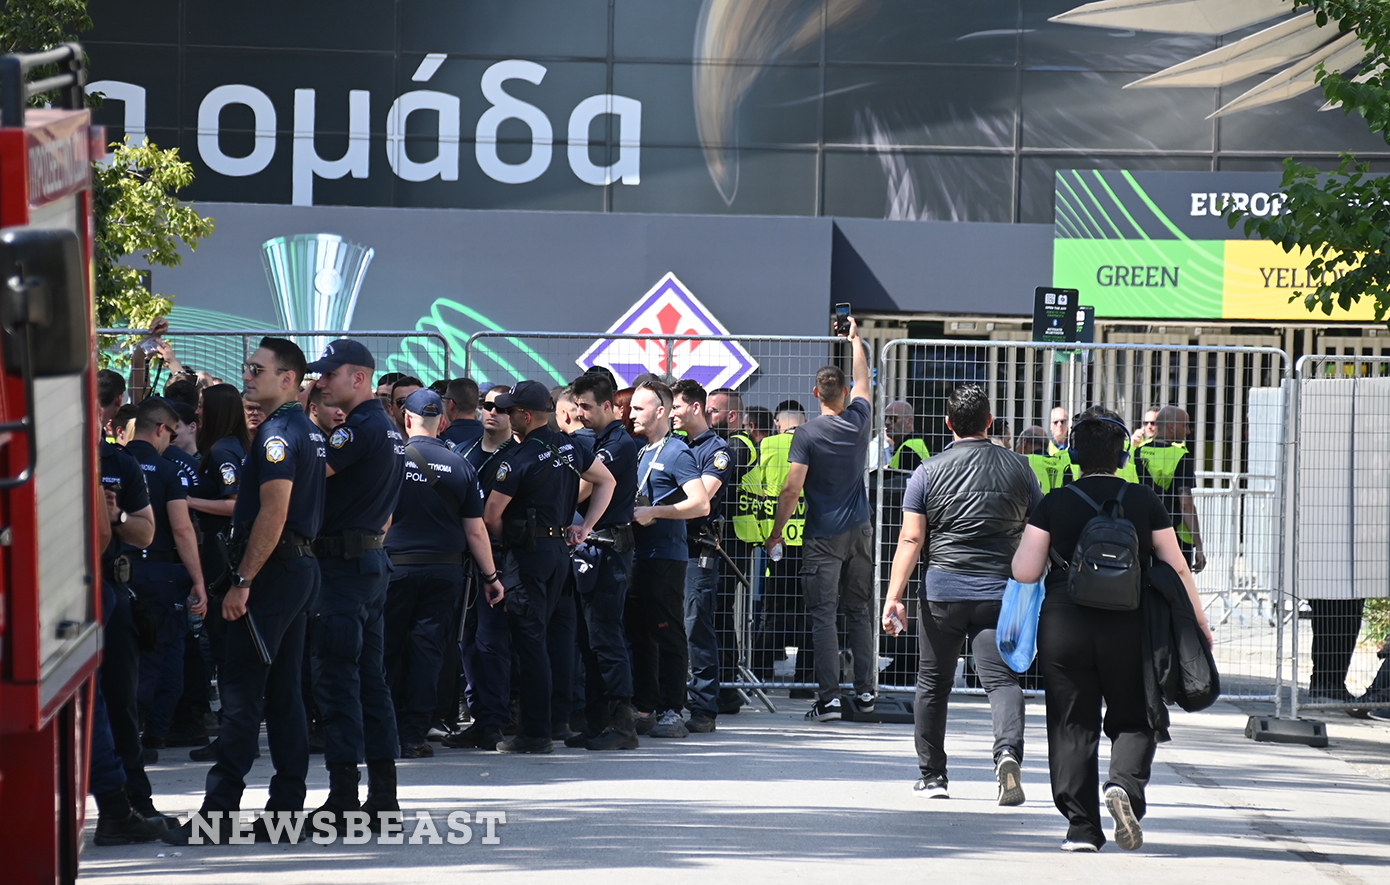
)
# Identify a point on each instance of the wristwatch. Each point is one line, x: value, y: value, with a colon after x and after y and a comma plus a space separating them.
x: 121, y: 520
x: 238, y: 581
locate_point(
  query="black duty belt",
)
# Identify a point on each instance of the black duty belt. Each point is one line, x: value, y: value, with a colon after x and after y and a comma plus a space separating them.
x: 292, y: 545
x: 427, y: 559
x: 160, y: 556
x: 551, y: 531
x: 349, y: 545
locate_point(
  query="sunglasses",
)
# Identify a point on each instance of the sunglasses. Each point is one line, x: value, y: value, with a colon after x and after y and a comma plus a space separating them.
x: 400, y: 401
x: 488, y: 406
x: 255, y: 369
x: 1150, y: 423
x: 1060, y: 421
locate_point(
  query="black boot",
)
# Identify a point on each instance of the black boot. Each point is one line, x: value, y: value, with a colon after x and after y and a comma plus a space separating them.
x: 595, y: 720
x: 381, y: 792
x: 621, y: 733
x: 118, y: 824
x: 343, y: 778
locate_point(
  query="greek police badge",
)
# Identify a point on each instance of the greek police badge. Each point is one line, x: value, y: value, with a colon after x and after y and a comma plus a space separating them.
x: 275, y: 449
x: 721, y: 461
x: 503, y: 471
x: 340, y: 437
x: 228, y: 475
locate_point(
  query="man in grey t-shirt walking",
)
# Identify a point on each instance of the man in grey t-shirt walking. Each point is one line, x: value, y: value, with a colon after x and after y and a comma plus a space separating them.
x: 827, y: 460
x: 972, y: 501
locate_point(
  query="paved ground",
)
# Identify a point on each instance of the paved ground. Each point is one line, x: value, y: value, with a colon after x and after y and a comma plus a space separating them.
x: 769, y: 798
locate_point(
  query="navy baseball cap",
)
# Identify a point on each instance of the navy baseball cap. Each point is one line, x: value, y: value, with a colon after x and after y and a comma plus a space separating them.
x: 531, y: 395
x: 425, y: 403
x: 343, y: 352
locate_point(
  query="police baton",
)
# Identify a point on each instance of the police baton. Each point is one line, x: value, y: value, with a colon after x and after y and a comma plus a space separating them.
x: 256, y: 639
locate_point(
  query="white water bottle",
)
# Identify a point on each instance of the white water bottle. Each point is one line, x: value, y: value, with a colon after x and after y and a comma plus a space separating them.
x: 775, y: 552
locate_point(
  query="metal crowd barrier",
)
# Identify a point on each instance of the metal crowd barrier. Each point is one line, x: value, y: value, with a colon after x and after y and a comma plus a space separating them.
x: 1233, y: 397
x: 1340, y: 533
x: 221, y: 352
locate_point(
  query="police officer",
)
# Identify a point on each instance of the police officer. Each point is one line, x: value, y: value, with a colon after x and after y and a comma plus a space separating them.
x: 534, y: 495
x: 167, y: 573
x: 118, y: 781
x: 715, y: 465
x: 366, y: 466
x: 610, y: 722
x: 487, y: 638
x: 275, y: 577
x: 183, y: 451
x: 439, y: 513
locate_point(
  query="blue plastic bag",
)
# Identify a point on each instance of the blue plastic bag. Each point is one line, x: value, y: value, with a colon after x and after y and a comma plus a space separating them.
x: 1017, y: 633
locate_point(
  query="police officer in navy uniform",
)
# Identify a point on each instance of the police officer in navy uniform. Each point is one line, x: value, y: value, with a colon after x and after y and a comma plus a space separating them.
x: 440, y: 512
x: 274, y: 581
x: 534, y: 495
x: 167, y: 573
x: 366, y: 466
x: 487, y: 639
x: 610, y: 719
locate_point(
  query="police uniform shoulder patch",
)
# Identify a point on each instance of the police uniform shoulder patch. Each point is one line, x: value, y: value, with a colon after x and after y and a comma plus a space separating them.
x: 275, y: 449
x: 228, y: 474
x: 503, y: 470
x: 340, y: 437
x: 721, y: 461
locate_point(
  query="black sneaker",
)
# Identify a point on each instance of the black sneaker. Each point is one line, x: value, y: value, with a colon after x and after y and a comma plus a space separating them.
x: 864, y: 702
x: 645, y: 722
x: 1381, y: 715
x: 422, y: 750
x: 1010, y: 776
x: 520, y: 744
x: 475, y: 737
x: 934, y: 787
x: 129, y: 828
x: 699, y: 723
x: 1128, y: 834
x: 824, y: 711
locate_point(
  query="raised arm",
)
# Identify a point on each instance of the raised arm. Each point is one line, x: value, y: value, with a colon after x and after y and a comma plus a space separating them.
x: 859, y: 365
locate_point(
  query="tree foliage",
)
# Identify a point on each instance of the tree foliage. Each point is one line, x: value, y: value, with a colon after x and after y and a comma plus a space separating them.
x: 36, y: 25
x: 138, y: 214
x: 1341, y: 218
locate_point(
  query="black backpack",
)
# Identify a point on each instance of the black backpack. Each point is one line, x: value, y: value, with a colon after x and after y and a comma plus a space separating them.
x: 1105, y: 570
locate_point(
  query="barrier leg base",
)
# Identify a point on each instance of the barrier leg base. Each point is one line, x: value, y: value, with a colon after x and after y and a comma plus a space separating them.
x: 887, y: 708
x: 1267, y: 729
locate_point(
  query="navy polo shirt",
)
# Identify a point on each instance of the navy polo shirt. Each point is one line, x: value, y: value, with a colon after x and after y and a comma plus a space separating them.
x: 662, y: 468
x: 542, y: 472
x: 219, y: 480
x: 119, y: 468
x: 165, y: 485
x: 187, y: 465
x: 712, y: 458
x: 485, y: 463
x: 367, y: 454
x: 462, y: 433
x: 424, y: 521
x: 287, y: 446
x: 616, y: 448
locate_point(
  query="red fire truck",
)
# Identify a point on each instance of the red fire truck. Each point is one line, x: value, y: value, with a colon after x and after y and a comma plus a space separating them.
x: 50, y: 584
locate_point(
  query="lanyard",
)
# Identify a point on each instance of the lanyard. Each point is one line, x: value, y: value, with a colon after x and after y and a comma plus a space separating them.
x: 652, y: 464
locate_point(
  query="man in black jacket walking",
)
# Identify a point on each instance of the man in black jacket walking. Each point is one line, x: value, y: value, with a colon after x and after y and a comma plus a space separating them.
x: 972, y: 501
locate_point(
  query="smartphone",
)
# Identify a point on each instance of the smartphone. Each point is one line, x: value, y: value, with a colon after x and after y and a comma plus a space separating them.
x: 841, y: 324
x: 149, y: 345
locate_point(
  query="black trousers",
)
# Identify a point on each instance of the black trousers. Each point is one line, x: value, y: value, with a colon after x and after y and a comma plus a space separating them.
x: 602, y: 638
x: 120, y: 673
x: 562, y: 645
x: 656, y: 630
x: 942, y: 628
x: 534, y: 581
x: 420, y: 603
x: 487, y: 659
x: 281, y: 595
x: 1089, y: 655
x: 1336, y: 625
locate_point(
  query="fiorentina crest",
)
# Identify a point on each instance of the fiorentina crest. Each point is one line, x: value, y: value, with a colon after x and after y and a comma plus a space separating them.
x: 670, y: 309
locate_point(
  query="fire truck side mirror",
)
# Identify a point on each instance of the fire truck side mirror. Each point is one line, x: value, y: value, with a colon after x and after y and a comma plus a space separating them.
x: 43, y: 306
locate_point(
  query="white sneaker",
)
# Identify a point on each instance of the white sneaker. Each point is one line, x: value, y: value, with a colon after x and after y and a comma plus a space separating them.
x: 1079, y: 847
x: 670, y: 725
x: 1010, y: 776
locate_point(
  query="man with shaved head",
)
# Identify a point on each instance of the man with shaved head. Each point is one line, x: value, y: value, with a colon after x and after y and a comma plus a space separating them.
x: 1165, y: 465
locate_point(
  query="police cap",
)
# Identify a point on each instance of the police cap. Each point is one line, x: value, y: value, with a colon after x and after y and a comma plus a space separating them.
x: 425, y: 403
x: 343, y: 352
x: 531, y: 395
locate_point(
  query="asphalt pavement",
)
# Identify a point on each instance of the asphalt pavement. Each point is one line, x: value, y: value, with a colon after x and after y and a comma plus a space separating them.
x: 770, y: 798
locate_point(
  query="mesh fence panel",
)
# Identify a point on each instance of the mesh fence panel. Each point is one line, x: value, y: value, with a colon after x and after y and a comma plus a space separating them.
x: 1341, y: 539
x: 1235, y: 410
x: 764, y: 631
x: 221, y: 352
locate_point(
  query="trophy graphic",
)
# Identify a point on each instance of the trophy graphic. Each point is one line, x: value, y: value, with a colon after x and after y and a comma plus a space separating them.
x: 316, y: 279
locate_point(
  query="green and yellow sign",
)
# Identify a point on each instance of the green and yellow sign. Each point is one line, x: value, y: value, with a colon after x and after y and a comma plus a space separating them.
x: 1156, y: 245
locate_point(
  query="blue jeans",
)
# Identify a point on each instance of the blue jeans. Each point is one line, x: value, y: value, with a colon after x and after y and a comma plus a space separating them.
x: 359, y: 720
x: 701, y: 591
